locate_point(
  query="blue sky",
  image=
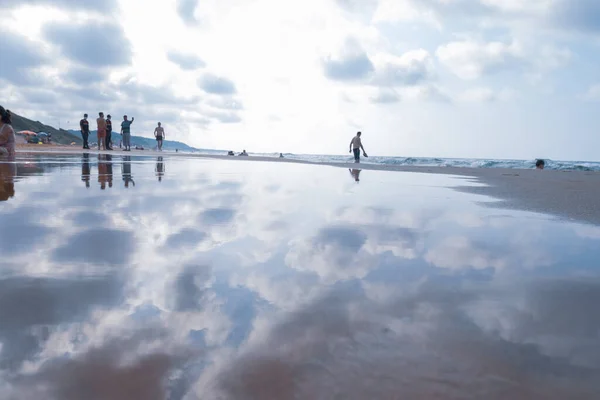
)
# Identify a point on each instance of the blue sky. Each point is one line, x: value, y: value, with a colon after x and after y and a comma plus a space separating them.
x: 444, y: 78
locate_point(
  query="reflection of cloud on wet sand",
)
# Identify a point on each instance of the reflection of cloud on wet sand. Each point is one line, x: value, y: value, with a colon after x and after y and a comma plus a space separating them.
x: 461, y: 252
x: 31, y: 308
x: 422, y: 345
x: 347, y: 251
x: 118, y: 370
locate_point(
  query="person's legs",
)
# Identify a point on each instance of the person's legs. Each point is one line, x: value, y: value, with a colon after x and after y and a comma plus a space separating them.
x: 107, y: 141
x: 126, y: 141
x: 356, y: 155
x: 85, y: 136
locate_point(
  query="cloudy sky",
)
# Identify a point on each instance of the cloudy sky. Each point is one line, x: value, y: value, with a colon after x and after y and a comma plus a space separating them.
x: 447, y: 78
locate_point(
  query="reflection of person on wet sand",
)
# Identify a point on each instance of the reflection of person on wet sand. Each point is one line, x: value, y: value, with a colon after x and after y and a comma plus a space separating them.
x: 160, y: 168
x: 126, y: 171
x: 109, y: 170
x: 355, y: 174
x: 85, y: 169
x: 8, y: 171
x: 102, y: 171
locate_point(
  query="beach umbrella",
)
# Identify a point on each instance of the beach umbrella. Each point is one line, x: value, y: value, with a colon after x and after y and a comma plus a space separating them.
x: 42, y: 134
x: 27, y: 133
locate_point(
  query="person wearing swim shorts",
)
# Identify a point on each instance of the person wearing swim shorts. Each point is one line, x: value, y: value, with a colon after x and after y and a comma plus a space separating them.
x: 101, y: 131
x: 159, y: 134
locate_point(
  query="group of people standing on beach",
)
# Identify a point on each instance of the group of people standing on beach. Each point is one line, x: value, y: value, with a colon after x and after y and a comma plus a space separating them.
x: 104, y: 131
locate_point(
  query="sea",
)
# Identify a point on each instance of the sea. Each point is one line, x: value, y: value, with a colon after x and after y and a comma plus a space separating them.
x: 436, y: 162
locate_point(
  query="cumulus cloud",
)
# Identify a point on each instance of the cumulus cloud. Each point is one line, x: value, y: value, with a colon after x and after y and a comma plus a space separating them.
x: 485, y: 95
x: 351, y: 64
x: 186, y: 10
x: 84, y: 76
x: 593, y: 93
x: 20, y: 56
x: 214, y: 84
x: 92, y: 44
x: 470, y: 59
x: 226, y: 103
x: 411, y: 68
x: 83, y: 5
x: 224, y: 117
x: 385, y: 71
x: 154, y: 95
x: 581, y: 15
x: 385, y: 96
x: 185, y: 61
x: 39, y: 96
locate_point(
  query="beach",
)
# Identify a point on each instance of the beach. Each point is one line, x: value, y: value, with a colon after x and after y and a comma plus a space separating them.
x: 572, y: 195
x: 192, y: 276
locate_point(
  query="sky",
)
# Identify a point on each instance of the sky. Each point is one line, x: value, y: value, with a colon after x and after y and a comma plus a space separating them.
x: 430, y: 78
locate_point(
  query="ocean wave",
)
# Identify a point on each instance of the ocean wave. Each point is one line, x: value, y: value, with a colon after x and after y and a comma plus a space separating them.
x: 455, y: 162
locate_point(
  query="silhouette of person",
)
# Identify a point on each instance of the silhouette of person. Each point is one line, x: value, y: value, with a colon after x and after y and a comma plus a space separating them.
x: 85, y: 169
x: 126, y: 171
x: 160, y: 168
x: 355, y: 174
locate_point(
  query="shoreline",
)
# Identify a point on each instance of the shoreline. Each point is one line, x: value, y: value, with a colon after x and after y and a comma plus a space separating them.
x: 571, y: 195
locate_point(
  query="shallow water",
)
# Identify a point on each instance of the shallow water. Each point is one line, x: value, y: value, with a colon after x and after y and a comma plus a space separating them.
x: 174, y: 278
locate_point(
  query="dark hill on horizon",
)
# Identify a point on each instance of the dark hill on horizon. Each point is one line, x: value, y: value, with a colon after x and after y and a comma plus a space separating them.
x: 60, y: 136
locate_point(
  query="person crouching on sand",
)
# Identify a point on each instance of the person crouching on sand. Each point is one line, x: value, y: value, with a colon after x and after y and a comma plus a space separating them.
x: 356, y: 146
x: 101, y: 130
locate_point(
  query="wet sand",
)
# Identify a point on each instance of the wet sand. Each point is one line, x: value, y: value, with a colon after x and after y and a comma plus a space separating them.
x: 251, y: 280
x: 571, y: 195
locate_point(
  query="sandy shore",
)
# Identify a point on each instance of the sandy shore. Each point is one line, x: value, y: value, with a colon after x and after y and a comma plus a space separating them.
x: 571, y: 195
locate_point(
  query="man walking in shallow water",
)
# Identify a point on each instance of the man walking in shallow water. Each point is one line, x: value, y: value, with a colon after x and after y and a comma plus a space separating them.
x: 356, y: 146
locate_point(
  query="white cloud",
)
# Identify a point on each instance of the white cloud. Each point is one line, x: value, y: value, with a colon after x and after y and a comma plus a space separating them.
x: 470, y: 59
x: 486, y: 95
x: 593, y: 93
x: 291, y: 64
